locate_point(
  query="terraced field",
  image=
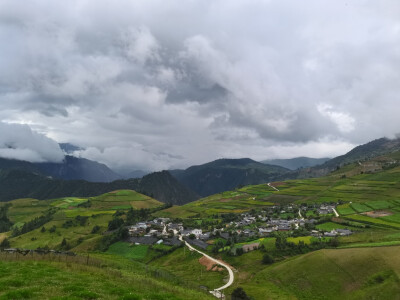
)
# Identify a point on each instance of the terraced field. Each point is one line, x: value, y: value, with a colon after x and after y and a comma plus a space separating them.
x: 237, y: 201
x: 97, y: 210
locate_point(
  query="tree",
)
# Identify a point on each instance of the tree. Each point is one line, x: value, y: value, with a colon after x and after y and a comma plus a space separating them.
x: 239, y: 294
x: 115, y: 223
x: 5, y: 244
x: 192, y: 236
x: 64, y: 244
x: 95, y: 228
x: 334, y: 242
x: 43, y: 229
x: 267, y: 259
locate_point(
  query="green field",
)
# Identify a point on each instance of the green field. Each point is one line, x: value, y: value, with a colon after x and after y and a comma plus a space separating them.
x: 126, y: 250
x: 99, y: 211
x: 330, y: 226
x: 345, y: 209
x: 379, y: 204
x: 373, y: 221
x: 360, y: 207
x: 392, y: 218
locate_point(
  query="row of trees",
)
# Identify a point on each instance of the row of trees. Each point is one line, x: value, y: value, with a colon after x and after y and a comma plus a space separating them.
x: 5, y: 223
x: 35, y: 223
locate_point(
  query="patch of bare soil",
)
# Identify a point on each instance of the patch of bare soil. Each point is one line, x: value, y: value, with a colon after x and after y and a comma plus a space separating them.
x: 225, y: 200
x: 250, y: 247
x: 278, y: 183
x: 378, y: 213
x: 209, y: 264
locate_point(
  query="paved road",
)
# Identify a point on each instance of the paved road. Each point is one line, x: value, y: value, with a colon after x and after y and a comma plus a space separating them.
x: 269, y: 184
x: 231, y: 276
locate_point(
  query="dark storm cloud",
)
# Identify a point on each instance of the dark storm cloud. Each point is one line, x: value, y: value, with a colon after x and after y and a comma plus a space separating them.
x: 153, y: 85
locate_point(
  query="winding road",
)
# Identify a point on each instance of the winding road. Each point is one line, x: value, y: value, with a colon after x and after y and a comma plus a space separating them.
x: 216, y: 292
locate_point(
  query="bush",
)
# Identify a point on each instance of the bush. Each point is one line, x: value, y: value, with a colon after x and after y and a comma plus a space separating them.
x: 95, y: 229
x: 5, y: 244
x: 115, y: 223
x: 239, y: 294
x: 267, y: 259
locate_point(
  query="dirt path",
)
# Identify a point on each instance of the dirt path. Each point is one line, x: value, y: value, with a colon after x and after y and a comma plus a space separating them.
x: 216, y: 292
x: 335, y: 212
x: 271, y: 186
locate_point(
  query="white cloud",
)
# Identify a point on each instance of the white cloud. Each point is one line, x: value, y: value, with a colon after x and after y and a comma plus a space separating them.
x: 343, y: 121
x: 20, y: 142
x: 200, y: 80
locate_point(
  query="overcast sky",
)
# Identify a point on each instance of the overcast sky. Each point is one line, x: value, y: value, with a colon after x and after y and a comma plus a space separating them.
x: 166, y: 84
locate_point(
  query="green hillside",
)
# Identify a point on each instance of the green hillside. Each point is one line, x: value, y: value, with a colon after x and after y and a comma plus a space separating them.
x: 226, y: 174
x: 357, y: 266
x: 374, y: 180
x: 72, y: 218
x: 368, y: 273
x: 17, y: 183
x: 100, y: 278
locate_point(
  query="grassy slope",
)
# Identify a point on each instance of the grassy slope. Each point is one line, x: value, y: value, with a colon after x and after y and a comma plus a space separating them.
x: 50, y: 280
x: 185, y: 264
x: 366, y: 191
x: 330, y: 274
x: 237, y: 201
x: 99, y: 213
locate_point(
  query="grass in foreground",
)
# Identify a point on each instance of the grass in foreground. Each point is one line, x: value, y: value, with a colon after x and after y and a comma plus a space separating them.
x: 362, y: 273
x: 50, y: 280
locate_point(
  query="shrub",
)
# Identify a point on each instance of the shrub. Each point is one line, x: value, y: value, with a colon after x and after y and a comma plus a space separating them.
x: 239, y: 294
x: 267, y: 259
x: 95, y: 229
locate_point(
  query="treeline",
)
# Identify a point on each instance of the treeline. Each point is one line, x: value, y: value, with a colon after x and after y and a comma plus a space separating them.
x: 5, y: 223
x: 35, y: 223
x: 122, y: 219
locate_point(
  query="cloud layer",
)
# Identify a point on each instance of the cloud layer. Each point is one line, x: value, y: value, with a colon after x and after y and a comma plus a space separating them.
x: 145, y: 84
x: 21, y: 143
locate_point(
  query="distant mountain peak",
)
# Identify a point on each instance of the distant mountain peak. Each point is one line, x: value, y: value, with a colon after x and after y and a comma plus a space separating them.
x: 296, y: 162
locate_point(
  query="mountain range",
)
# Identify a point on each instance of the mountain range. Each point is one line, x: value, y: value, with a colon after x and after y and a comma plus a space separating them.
x: 226, y: 174
x: 83, y: 177
x: 17, y: 183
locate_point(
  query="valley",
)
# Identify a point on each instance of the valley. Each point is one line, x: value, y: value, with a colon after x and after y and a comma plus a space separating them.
x: 313, y: 227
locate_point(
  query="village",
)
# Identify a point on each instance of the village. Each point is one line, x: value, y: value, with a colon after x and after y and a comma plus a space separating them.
x: 246, y: 227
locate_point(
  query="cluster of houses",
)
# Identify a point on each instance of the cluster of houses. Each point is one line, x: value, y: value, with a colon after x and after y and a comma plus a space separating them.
x: 332, y: 233
x: 326, y: 209
x: 162, y: 230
